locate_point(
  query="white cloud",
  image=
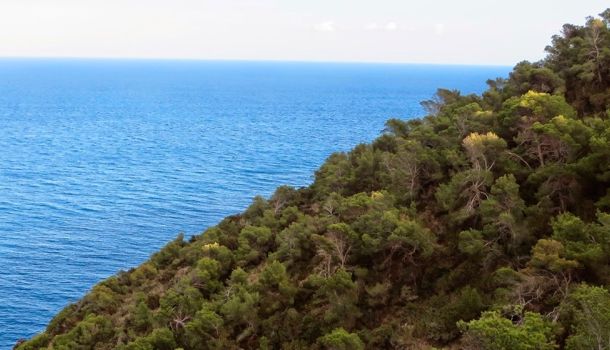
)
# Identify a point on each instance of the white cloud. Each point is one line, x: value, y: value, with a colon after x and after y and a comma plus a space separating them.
x: 391, y: 26
x: 327, y: 26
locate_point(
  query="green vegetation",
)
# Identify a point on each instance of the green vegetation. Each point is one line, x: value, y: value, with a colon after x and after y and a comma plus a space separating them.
x: 484, y: 225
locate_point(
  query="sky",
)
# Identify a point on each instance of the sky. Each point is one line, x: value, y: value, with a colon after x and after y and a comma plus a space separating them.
x: 489, y: 32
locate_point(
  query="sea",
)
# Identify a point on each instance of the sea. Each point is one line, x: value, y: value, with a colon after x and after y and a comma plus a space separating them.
x: 102, y: 162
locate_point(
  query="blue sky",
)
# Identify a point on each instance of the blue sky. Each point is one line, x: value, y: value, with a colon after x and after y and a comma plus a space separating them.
x: 437, y: 31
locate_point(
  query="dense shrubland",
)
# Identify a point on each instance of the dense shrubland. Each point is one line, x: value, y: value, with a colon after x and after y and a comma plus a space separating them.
x: 484, y: 225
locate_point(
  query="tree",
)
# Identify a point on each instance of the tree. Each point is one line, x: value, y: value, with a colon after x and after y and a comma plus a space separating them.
x: 254, y: 241
x: 295, y: 243
x: 86, y: 334
x: 275, y: 287
x: 282, y: 196
x: 483, y: 149
x: 206, y: 275
x: 340, y: 339
x: 581, y: 56
x: 462, y: 195
x: 525, y: 114
x: 335, y: 299
x: 334, y: 247
x: 205, y: 326
x: 409, y: 240
x: 503, y: 214
x: 441, y: 99
x: 179, y: 304
x: 547, y: 277
x: 142, y: 317
x: 410, y: 168
x: 587, y: 312
x: 587, y: 243
x: 240, y: 306
x: 527, y: 76
x: 494, y: 332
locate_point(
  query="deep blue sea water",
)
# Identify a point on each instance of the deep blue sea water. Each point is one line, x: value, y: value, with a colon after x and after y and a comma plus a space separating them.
x: 104, y: 161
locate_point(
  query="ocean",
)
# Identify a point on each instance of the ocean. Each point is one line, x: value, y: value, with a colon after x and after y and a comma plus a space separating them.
x: 102, y: 162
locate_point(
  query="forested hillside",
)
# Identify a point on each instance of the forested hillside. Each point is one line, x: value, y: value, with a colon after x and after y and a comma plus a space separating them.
x: 484, y: 225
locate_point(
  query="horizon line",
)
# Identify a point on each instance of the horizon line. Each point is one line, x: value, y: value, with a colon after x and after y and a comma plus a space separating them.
x: 191, y: 59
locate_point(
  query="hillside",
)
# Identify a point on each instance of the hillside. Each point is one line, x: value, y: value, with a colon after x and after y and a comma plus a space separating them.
x: 484, y: 225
